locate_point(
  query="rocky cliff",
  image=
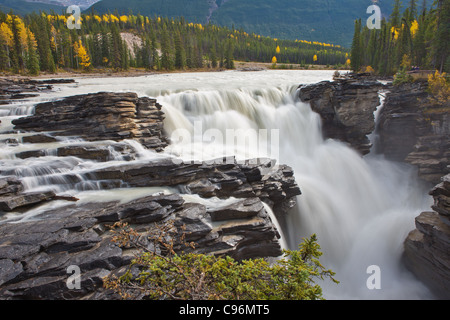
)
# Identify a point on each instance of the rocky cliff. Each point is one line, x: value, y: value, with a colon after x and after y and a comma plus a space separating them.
x: 411, y: 128
x: 427, y: 248
x: 415, y: 129
x: 347, y: 108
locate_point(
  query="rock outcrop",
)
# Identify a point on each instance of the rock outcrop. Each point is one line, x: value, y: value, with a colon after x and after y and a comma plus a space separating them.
x: 223, y: 205
x: 35, y: 255
x: 100, y: 116
x: 347, y: 108
x: 18, y: 89
x: 427, y: 248
x: 414, y: 130
x: 12, y: 196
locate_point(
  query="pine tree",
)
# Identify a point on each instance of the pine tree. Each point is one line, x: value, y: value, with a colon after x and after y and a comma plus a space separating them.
x: 156, y: 64
x: 125, y: 58
x: 442, y: 35
x: 106, y: 47
x: 229, y: 60
x: 40, y: 31
x: 412, y: 10
x: 356, y: 50
x: 180, y: 55
x: 395, y: 15
x: 116, y: 48
x: 17, y: 52
x: 166, y: 51
x: 32, y: 57
x: 213, y: 57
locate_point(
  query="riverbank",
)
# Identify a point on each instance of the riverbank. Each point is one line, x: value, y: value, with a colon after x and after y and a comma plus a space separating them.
x: 137, y: 72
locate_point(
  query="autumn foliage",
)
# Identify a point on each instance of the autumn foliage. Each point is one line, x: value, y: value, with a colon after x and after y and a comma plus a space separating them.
x: 119, y: 42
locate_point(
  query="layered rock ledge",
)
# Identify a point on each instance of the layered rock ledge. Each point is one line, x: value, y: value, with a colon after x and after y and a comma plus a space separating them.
x: 35, y: 255
x: 414, y: 130
x: 225, y: 206
x: 347, y: 108
x: 100, y: 116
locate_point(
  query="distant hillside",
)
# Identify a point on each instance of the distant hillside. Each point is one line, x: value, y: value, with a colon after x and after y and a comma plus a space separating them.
x: 192, y: 10
x: 330, y: 21
x: 23, y: 7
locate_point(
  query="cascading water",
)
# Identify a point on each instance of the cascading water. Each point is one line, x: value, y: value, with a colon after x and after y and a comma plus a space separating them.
x: 361, y: 209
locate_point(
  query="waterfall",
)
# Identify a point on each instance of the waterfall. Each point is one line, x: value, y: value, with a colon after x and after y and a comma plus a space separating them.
x: 360, y: 208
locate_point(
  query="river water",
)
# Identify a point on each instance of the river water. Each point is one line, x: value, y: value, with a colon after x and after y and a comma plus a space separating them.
x: 360, y: 208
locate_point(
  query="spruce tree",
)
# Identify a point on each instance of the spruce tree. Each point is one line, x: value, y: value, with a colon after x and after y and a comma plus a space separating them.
x: 412, y: 10
x: 166, y: 51
x: 32, y: 57
x: 229, y: 59
x: 16, y: 53
x: 356, y: 50
x: 213, y: 57
x: 442, y: 35
x: 180, y: 55
x: 395, y: 15
x: 116, y: 48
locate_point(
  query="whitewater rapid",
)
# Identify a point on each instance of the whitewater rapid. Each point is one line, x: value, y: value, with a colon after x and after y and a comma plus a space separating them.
x: 360, y: 208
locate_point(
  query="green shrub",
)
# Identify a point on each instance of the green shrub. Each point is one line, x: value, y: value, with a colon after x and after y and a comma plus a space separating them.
x: 165, y: 274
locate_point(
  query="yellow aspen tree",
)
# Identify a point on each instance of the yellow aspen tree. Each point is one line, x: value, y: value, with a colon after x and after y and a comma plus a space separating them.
x: 84, y: 59
x: 315, y: 58
x: 414, y: 28
x: 6, y: 41
x: 278, y: 49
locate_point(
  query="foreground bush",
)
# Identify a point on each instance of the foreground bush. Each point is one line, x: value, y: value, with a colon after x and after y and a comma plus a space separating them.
x: 161, y: 273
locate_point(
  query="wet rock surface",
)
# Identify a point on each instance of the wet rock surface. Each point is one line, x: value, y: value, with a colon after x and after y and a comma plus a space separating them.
x: 346, y: 107
x: 427, y: 248
x: 36, y: 254
x: 100, y: 116
x: 416, y: 131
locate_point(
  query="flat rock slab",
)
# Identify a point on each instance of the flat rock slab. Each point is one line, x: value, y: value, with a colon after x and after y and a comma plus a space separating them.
x: 240, y: 210
x: 26, y: 199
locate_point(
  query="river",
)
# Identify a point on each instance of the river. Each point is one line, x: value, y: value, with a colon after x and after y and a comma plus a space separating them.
x: 360, y: 208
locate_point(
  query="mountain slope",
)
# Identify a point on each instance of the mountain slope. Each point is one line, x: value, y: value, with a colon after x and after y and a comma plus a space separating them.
x: 23, y: 7
x: 192, y: 10
x: 330, y: 21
